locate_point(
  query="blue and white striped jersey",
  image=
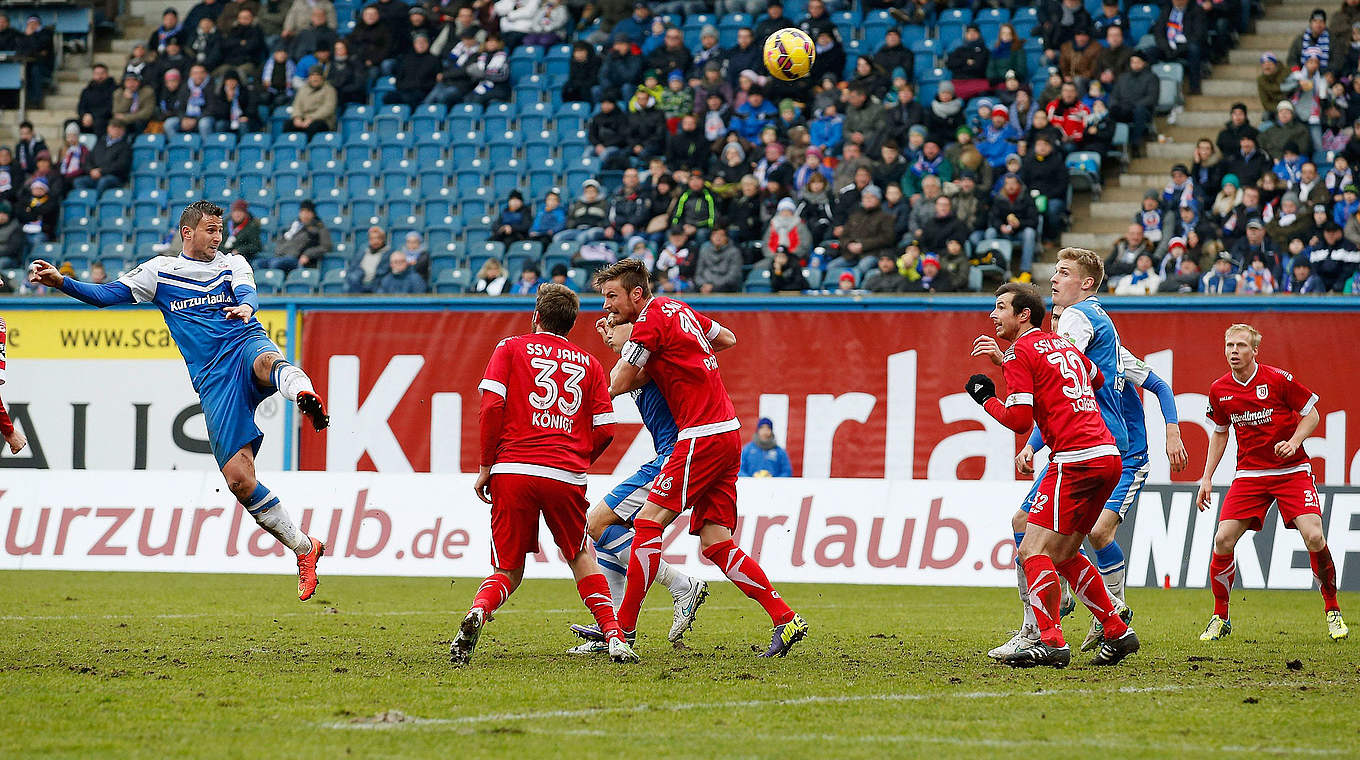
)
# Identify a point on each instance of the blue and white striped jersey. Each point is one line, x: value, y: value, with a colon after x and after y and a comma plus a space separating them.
x: 1086, y: 324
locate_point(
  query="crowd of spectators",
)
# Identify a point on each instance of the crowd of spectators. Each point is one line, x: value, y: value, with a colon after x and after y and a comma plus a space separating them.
x: 1269, y: 204
x: 721, y: 169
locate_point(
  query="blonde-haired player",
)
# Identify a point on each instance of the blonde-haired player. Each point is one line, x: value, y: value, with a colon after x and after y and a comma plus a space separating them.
x: 1272, y: 414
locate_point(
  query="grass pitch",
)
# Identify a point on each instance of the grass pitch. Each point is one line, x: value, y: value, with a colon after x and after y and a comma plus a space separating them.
x: 157, y: 665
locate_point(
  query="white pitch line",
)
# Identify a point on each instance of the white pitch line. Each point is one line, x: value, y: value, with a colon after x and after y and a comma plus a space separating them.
x: 458, y: 613
x: 746, y: 704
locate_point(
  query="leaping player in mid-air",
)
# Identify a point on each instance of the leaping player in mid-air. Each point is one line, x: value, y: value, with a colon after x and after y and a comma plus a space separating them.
x: 209, y: 303
x: 610, y: 522
x: 674, y: 346
x: 1050, y: 383
x: 1272, y: 414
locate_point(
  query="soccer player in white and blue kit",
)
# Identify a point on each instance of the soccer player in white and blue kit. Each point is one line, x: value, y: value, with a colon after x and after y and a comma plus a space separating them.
x: 209, y: 303
x: 609, y: 522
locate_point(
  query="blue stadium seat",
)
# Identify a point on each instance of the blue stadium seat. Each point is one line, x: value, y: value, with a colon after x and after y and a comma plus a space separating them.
x: 395, y: 147
x: 401, y: 202
x: 430, y: 147
x: 253, y: 147
x: 185, y: 146
x: 333, y: 282
x: 181, y: 184
x: 382, y: 86
x: 286, y: 182
x: 288, y: 147
x: 143, y: 182
x: 431, y: 181
x: 475, y: 208
x: 364, y: 207
x: 452, y: 281
x: 926, y: 52
x: 428, y: 118
x: 219, y: 147
x: 950, y: 24
x: 148, y: 148
x: 391, y: 118
x: 269, y: 281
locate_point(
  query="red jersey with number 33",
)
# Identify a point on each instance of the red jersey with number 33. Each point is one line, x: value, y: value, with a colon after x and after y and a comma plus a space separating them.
x: 1044, y: 370
x: 1263, y: 411
x: 674, y: 344
x: 555, y: 395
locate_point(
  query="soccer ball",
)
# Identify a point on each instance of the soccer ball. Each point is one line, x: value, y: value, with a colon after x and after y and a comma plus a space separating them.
x: 789, y: 54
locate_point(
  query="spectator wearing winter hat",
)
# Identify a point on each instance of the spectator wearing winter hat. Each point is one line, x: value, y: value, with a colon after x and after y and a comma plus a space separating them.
x: 1273, y: 84
x: 38, y: 210
x: 1221, y: 278
x: 1334, y: 259
x: 695, y: 210
x: 934, y: 277
x: 587, y: 215
x: 1249, y: 163
x: 1126, y: 251
x: 998, y: 137
x: 1079, y: 56
x: 241, y: 232
x: 763, y: 457
x: 1289, y: 221
x: 788, y: 230
x: 931, y: 163
x: 303, y: 244
x: 1143, y: 280
x: 513, y: 220
x: 886, y: 278
x: 234, y: 109
x: 133, y: 104
x: 75, y: 157
x: 1300, y: 280
x: 945, y: 114
x: 1315, y: 35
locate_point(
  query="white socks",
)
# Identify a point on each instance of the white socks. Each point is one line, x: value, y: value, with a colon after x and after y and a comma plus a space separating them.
x: 678, y: 583
x: 290, y: 380
x: 273, y: 518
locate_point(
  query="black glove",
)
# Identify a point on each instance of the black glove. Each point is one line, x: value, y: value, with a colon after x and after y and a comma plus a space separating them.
x: 981, y: 388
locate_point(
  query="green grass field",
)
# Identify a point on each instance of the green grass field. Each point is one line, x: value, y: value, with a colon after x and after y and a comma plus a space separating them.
x: 150, y: 665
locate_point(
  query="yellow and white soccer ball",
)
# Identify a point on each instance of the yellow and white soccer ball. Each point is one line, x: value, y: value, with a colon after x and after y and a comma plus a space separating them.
x: 789, y: 54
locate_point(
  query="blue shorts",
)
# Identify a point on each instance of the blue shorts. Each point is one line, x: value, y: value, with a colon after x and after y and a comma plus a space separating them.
x: 1130, y: 484
x: 229, y: 395
x: 1125, y: 494
x: 628, y: 497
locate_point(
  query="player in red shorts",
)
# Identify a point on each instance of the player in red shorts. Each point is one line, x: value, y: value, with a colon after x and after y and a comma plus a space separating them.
x: 1273, y: 414
x: 546, y: 415
x: 1050, y: 383
x: 674, y: 346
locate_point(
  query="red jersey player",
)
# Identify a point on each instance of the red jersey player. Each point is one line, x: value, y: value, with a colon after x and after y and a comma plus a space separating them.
x: 1050, y: 382
x: 546, y: 415
x: 674, y: 346
x: 1272, y: 413
x: 16, y: 439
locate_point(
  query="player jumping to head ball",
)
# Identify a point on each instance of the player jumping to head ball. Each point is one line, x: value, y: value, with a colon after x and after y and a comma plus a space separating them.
x: 1272, y: 414
x: 209, y: 303
x: 674, y: 346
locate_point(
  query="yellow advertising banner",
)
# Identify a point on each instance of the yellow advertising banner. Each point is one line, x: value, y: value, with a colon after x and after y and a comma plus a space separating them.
x: 106, y: 334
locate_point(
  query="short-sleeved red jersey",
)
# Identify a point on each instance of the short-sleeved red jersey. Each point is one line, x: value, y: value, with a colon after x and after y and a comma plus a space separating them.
x: 1044, y: 370
x: 555, y: 396
x: 674, y: 344
x: 1264, y: 411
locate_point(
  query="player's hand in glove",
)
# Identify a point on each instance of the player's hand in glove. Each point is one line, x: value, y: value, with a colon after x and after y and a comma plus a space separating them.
x: 981, y: 388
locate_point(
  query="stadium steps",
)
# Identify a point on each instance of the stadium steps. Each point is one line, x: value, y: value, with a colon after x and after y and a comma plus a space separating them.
x: 60, y: 105
x: 1097, y: 224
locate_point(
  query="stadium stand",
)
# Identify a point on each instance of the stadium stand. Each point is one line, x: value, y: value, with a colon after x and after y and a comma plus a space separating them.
x: 563, y: 143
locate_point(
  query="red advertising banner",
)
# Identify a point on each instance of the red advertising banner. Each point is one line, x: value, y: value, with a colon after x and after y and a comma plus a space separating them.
x: 866, y: 394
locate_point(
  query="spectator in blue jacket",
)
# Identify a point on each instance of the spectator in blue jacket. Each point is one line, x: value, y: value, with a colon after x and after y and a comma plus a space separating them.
x: 1302, y: 281
x: 636, y: 27
x: 752, y: 116
x: 551, y: 220
x: 998, y: 138
x: 826, y: 131
x: 763, y: 457
x: 401, y: 278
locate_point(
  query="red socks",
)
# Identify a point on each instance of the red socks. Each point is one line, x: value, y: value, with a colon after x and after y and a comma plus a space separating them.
x: 1324, y: 572
x: 492, y: 594
x: 642, y: 567
x: 1045, y: 597
x: 1222, y: 571
x: 747, y: 576
x: 594, y: 591
x: 1088, y: 586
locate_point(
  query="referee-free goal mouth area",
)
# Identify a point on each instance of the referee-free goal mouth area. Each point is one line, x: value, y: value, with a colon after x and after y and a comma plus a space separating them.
x: 108, y: 664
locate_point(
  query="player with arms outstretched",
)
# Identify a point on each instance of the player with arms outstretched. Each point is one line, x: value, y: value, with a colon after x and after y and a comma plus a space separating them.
x: 1109, y: 556
x: 209, y: 303
x: 1083, y: 321
x: 674, y: 346
x: 609, y: 522
x: 1051, y: 383
x: 546, y: 415
x: 1272, y: 414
